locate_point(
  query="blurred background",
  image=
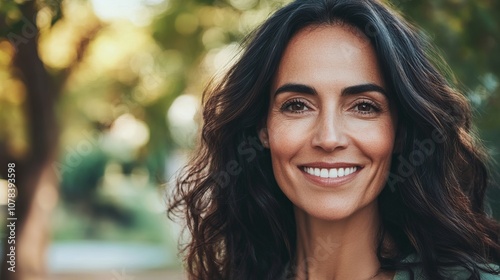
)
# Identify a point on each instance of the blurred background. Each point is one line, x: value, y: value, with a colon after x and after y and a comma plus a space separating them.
x: 99, y: 107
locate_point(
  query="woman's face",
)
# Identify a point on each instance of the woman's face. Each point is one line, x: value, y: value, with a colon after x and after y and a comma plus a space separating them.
x: 330, y: 128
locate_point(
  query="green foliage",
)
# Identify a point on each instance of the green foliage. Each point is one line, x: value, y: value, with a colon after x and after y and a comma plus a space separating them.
x: 179, y: 44
x: 467, y: 33
x: 13, y: 19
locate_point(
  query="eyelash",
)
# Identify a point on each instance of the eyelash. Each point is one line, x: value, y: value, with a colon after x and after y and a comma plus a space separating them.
x: 372, y: 105
x: 287, y: 104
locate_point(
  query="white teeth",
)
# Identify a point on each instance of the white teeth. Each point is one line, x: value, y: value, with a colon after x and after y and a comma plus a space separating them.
x: 330, y: 173
x: 324, y: 173
x: 316, y: 172
x: 347, y: 171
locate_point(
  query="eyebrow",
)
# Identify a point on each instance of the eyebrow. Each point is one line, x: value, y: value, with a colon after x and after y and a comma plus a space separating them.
x: 363, y: 88
x: 357, y: 89
x: 298, y: 88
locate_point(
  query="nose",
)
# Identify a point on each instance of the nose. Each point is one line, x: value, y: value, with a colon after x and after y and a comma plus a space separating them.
x: 329, y: 133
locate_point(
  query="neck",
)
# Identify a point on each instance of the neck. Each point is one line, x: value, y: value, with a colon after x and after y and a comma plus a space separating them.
x: 341, y: 249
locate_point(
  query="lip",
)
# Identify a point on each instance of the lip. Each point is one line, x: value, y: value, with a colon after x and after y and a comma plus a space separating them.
x: 330, y: 182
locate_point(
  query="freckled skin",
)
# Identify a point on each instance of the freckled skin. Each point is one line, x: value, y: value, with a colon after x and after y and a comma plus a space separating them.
x: 327, y: 126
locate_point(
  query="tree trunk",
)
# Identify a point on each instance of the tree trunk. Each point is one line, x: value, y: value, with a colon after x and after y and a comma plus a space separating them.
x: 36, y: 185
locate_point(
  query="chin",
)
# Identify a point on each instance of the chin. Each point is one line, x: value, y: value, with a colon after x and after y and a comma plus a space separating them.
x: 331, y: 211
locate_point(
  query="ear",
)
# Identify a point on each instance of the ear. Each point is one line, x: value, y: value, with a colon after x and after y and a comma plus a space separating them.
x: 264, y: 137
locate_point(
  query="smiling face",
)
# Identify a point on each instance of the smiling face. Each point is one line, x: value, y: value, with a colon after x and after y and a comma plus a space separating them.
x: 330, y: 127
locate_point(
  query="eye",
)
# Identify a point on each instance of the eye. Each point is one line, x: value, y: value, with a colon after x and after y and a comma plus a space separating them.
x: 366, y: 107
x: 295, y: 106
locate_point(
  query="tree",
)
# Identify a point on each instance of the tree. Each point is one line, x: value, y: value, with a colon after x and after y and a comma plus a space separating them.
x: 467, y: 34
x: 34, y: 176
x: 186, y: 44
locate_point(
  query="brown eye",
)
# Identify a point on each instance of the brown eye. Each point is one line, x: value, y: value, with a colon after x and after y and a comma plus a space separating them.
x: 295, y: 106
x: 364, y: 107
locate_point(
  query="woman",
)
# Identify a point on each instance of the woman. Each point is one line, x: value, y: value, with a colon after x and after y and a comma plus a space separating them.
x: 334, y: 149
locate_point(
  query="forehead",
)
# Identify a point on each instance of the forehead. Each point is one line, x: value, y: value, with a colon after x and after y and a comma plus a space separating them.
x: 337, y: 51
x: 335, y: 32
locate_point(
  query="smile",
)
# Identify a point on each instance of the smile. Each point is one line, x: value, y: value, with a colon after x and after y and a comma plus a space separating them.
x: 329, y: 172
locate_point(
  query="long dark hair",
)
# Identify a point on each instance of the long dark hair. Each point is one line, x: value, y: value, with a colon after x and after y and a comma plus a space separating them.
x: 241, y: 224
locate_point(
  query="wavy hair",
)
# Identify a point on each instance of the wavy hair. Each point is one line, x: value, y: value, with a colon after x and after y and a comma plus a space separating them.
x: 242, y: 226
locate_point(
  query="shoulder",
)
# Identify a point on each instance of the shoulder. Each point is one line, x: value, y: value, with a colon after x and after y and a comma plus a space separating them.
x: 456, y: 275
x: 488, y: 276
x: 404, y: 275
x: 451, y: 273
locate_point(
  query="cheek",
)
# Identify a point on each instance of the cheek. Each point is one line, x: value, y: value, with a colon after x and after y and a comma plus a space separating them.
x: 286, y: 139
x: 379, y: 143
x: 287, y: 136
x: 376, y: 139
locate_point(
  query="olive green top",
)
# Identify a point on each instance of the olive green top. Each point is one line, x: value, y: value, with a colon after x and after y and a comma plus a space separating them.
x: 451, y: 273
x: 456, y: 275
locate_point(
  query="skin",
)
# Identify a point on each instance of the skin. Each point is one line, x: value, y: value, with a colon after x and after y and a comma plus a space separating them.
x: 323, y: 114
